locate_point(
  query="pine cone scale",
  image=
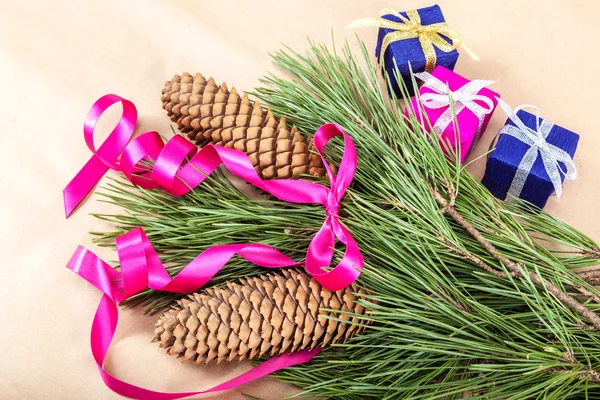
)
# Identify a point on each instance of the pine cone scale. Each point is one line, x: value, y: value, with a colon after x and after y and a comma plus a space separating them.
x: 265, y: 315
x: 209, y: 113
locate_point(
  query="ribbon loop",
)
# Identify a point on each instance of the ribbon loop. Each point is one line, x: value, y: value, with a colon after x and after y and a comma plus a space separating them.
x: 178, y: 167
x: 429, y: 36
x: 106, y: 157
x: 465, y: 97
x: 172, y: 173
x: 141, y: 268
x: 145, y: 147
x: 551, y: 155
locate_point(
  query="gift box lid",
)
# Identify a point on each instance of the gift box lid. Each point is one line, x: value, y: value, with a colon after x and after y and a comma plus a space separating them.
x: 510, y: 150
x: 410, y: 49
x: 455, y: 82
x: 467, y: 121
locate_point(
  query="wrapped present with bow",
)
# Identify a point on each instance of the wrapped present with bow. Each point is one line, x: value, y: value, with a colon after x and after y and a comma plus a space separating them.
x: 445, y: 95
x: 532, y: 158
x: 415, y: 40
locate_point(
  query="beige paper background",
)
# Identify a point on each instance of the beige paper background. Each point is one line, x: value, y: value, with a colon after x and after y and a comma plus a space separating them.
x: 58, y: 57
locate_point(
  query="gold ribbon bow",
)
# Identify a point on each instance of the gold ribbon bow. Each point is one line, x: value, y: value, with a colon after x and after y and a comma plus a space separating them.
x: 428, y: 35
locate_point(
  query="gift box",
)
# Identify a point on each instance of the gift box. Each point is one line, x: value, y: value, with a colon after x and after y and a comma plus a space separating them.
x: 408, y: 53
x: 517, y: 167
x: 472, y: 102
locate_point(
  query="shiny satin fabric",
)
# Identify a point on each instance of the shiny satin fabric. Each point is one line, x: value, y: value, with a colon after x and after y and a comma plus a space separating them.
x: 141, y: 268
x: 410, y: 27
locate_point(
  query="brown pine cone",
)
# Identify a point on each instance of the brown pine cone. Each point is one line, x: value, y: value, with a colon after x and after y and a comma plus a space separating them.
x: 210, y: 113
x: 263, y: 315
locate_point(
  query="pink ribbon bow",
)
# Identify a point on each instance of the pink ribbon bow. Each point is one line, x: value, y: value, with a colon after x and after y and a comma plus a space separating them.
x: 141, y: 267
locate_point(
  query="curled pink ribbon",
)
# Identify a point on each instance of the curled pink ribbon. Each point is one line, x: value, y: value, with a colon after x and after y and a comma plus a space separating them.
x: 141, y: 268
x: 140, y: 265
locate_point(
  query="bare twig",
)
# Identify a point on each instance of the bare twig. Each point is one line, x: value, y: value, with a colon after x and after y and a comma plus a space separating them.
x: 593, y: 281
x: 587, y: 294
x: 448, y: 208
x: 589, y: 275
x: 585, y: 374
x: 593, y: 253
x: 585, y: 327
x: 473, y: 258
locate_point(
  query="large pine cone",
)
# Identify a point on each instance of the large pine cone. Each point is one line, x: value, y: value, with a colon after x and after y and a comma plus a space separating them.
x: 267, y: 314
x: 210, y: 113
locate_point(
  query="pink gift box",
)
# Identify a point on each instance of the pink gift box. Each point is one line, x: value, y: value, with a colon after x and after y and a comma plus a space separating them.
x: 467, y: 121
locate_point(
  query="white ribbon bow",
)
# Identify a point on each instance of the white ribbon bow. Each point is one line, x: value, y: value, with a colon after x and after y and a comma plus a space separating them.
x: 462, y: 98
x: 536, y: 139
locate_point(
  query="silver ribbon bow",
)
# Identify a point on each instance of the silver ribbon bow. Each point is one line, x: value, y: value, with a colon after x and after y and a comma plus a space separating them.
x: 462, y: 98
x: 536, y: 139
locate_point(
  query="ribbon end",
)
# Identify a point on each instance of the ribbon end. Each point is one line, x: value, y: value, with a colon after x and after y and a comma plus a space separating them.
x: 69, y: 207
x: 558, y: 192
x: 470, y: 52
x: 361, y: 23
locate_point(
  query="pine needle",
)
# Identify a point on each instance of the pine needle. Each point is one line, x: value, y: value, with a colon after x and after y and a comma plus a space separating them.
x: 449, y: 315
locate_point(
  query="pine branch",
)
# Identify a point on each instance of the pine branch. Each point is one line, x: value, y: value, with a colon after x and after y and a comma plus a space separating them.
x: 446, y: 314
x: 326, y: 89
x: 515, y: 269
x: 584, y: 373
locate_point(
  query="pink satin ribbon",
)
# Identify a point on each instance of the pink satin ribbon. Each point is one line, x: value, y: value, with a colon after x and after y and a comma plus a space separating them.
x: 140, y: 265
x: 141, y: 269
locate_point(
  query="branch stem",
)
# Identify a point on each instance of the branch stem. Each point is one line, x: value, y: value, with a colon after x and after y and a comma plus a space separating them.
x: 515, y: 268
x: 593, y: 253
x: 590, y: 275
x: 474, y: 259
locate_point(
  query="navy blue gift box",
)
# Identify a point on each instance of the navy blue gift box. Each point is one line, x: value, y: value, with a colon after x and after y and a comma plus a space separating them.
x: 503, y: 162
x: 407, y: 51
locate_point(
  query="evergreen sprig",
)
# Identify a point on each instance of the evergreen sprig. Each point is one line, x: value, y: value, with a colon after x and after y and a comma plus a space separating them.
x: 465, y: 295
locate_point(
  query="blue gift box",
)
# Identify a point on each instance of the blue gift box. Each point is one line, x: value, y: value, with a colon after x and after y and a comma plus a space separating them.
x: 503, y: 162
x: 409, y: 51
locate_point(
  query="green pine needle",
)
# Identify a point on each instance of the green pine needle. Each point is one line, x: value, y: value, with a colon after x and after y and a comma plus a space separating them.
x: 441, y: 326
